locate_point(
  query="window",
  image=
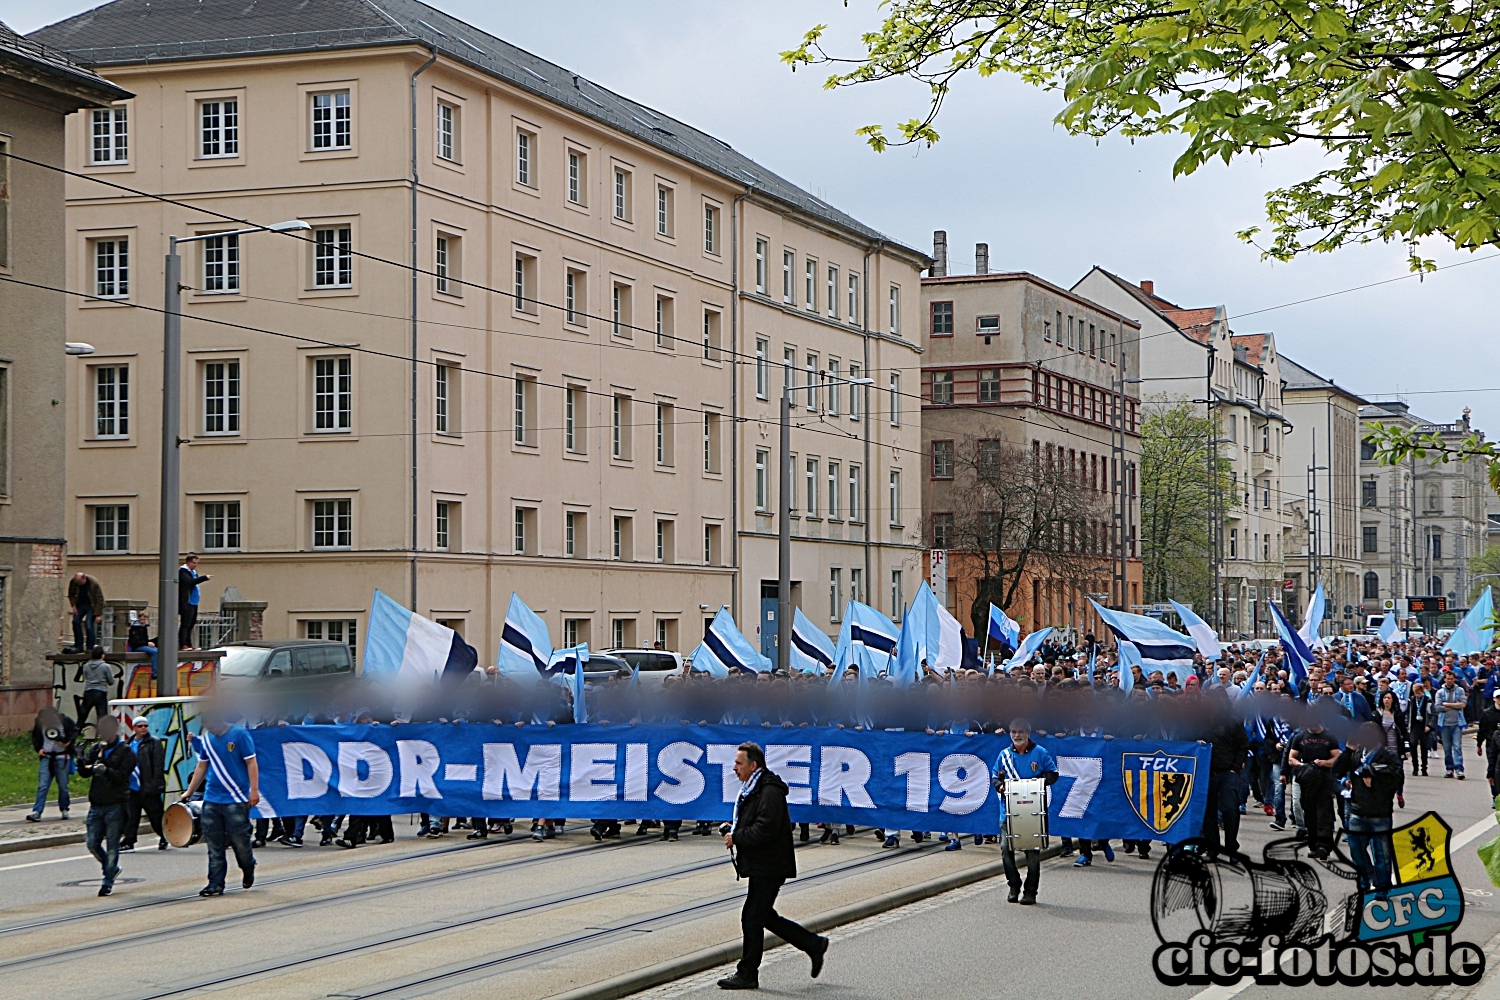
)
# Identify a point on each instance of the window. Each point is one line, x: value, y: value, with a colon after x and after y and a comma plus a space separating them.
x: 447, y: 131
x: 897, y: 601
x: 577, y: 180
x: 333, y: 630
x: 575, y: 297
x: 4, y: 220
x: 762, y: 483
x: 710, y: 229
x: 664, y: 199
x: 621, y: 541
x: 1367, y: 492
x: 1367, y: 450
x: 524, y: 531
x: 617, y: 631
x: 112, y: 401
x: 855, y: 500
x: 112, y: 528
x: 574, y: 400
x: 664, y: 335
x: 810, y: 383
x: 333, y: 257
x: 221, y: 525
x: 1370, y: 535
x: 331, y: 127
x: 666, y: 543
x: 666, y: 435
x: 853, y: 312
x: 575, y: 631
x: 856, y: 584
x: 710, y: 544
x: 440, y: 263
x: 895, y: 399
x: 987, y: 326
x: 620, y: 429
x: 760, y: 266
x: 833, y: 490
x: 622, y: 195
x: 835, y: 593
x: 523, y: 284
x: 666, y: 631
x: 942, y: 387
x: 575, y: 542
x: 834, y: 387
x: 942, y: 460
x: 788, y: 264
x: 856, y: 392
x: 788, y: 367
x: 333, y: 394
x: 833, y: 292
x: 942, y: 531
x: 762, y: 368
x: 620, y: 311
x: 221, y: 263
x: 442, y: 398
x: 219, y: 128
x: 812, y: 487
x: 111, y: 135
x: 1265, y: 547
x: 711, y: 326
x: 1435, y: 546
x: 524, y: 141
x: 523, y: 408
x: 810, y: 285
x: 942, y: 319
x: 895, y: 311
x: 333, y: 524
x: 112, y: 268
x: 221, y: 397
x: 1372, y: 587
x: 712, y: 448
x: 895, y: 497
x: 1047, y: 331
x: 1234, y: 543
x: 989, y: 385
x: 1265, y: 494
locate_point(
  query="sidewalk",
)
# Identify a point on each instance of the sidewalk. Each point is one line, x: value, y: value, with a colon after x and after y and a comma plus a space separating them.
x: 16, y: 834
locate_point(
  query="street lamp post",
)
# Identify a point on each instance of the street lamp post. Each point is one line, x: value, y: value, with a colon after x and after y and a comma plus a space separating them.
x: 784, y: 515
x: 171, y: 458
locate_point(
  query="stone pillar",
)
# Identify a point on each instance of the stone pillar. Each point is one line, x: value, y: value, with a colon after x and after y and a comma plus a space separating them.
x: 248, y: 618
x: 119, y: 615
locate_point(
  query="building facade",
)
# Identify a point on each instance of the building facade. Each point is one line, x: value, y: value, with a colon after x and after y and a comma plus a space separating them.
x: 1020, y: 368
x: 39, y: 88
x: 516, y: 351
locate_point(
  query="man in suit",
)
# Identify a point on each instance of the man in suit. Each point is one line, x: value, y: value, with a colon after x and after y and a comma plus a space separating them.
x: 761, y: 832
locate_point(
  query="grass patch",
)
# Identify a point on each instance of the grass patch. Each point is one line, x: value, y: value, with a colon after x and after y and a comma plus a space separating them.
x: 18, y: 775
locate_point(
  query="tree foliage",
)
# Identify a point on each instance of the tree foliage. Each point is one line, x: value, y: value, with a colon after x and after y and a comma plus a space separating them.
x: 1403, y: 96
x: 1487, y: 563
x: 1176, y: 496
x: 1395, y: 444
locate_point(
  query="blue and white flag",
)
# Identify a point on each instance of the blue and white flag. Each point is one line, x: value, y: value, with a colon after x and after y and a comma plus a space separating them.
x: 1309, y: 629
x: 1004, y: 629
x: 403, y: 648
x: 1249, y: 686
x: 724, y: 650
x: 921, y: 639
x: 1298, y: 656
x: 1129, y: 657
x: 948, y: 654
x: 1390, y: 628
x: 580, y: 661
x: 906, y: 669
x: 812, y: 650
x: 525, y: 643
x: 1475, y: 632
x: 867, y: 641
x: 1160, y: 646
x: 1202, y: 632
x: 1029, y: 646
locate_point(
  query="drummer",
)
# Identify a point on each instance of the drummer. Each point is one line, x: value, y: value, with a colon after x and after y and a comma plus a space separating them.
x: 1022, y: 760
x: 226, y: 757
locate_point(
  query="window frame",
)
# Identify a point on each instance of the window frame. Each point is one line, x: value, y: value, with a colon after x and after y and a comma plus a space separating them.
x: 225, y: 519
x: 118, y: 267
x: 230, y: 397
x: 119, y: 540
x: 762, y: 368
x: 118, y: 418
x: 338, y: 391
x: 220, y: 251
x: 332, y: 257
x: 940, y: 318
x: 339, y: 530
x: 525, y: 150
x: 225, y: 128
x: 116, y: 135
x: 333, y: 120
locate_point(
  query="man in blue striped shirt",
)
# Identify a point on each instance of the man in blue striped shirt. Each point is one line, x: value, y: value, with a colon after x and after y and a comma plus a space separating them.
x: 226, y: 759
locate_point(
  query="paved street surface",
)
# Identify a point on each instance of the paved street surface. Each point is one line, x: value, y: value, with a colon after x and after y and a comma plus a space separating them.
x: 512, y: 918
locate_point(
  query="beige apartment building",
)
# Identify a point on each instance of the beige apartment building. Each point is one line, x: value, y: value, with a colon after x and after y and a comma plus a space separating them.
x: 1017, y: 365
x: 569, y: 396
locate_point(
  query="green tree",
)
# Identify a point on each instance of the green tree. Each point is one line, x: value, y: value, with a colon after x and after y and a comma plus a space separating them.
x: 1402, y: 96
x: 1176, y: 497
x: 1487, y: 563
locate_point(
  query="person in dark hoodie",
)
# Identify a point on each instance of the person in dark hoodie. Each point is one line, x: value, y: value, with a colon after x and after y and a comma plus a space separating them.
x: 1376, y: 776
x: 109, y: 763
x: 761, y: 833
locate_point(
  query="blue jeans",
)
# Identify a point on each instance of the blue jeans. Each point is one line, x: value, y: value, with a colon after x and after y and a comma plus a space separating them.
x: 1367, y: 837
x: 84, y: 625
x: 103, y: 839
x: 150, y: 651
x: 227, y: 824
x: 48, y: 770
x: 1453, y: 747
x: 1278, y: 793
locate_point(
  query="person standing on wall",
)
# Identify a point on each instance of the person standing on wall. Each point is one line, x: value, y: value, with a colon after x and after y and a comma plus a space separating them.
x: 86, y: 600
x: 187, y: 599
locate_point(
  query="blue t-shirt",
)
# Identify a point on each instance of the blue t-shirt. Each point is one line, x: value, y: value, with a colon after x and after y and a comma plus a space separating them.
x: 1014, y: 766
x: 228, y: 768
x: 135, y: 773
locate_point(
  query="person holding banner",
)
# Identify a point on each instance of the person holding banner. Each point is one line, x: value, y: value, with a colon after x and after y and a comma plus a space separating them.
x: 1022, y: 759
x: 226, y: 759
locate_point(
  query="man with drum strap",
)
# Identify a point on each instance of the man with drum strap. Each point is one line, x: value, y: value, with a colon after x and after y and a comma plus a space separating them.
x: 109, y: 763
x: 226, y: 758
x: 1022, y: 760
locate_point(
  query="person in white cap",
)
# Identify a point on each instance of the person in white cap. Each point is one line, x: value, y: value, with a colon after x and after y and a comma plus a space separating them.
x: 148, y: 785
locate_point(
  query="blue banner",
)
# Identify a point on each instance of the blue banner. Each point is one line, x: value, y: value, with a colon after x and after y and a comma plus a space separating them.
x: 1140, y: 790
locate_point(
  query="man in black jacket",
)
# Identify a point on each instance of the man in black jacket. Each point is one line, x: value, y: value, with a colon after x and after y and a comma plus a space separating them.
x: 147, y: 786
x: 1225, y: 793
x: 762, y: 834
x: 1376, y: 776
x: 109, y: 763
x: 187, y: 599
x: 52, y: 738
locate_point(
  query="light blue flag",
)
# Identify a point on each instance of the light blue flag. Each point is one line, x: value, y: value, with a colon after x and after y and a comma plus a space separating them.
x: 1249, y: 686
x: 1202, y: 632
x: 1298, y: 656
x: 1390, y: 628
x: 580, y: 660
x: 867, y: 641
x: 525, y: 643
x: 1029, y: 646
x: 1093, y: 657
x: 1309, y: 629
x: 1004, y: 628
x: 404, y: 648
x: 918, y: 640
x: 812, y: 651
x: 1129, y: 657
x: 724, y: 650
x: 1477, y: 630
x: 1160, y: 646
x: 842, y: 648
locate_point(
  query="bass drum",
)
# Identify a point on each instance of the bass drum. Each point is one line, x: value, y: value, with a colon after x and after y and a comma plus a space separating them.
x: 1026, y: 814
x: 183, y: 822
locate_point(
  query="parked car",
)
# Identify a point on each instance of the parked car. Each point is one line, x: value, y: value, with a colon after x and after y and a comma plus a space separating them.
x: 299, y: 662
x: 655, y: 665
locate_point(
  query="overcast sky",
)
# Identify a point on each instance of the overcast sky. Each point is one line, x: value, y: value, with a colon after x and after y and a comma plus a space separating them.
x: 1003, y: 174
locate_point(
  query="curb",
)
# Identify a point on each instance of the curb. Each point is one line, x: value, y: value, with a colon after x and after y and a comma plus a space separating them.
x: 707, y: 958
x: 15, y: 845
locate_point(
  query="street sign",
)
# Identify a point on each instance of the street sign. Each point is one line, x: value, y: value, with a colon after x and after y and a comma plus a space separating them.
x: 1348, y: 610
x: 938, y: 566
x: 1289, y: 585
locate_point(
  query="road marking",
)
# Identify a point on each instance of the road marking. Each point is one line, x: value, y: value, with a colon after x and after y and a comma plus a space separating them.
x: 53, y: 861
x: 1473, y: 833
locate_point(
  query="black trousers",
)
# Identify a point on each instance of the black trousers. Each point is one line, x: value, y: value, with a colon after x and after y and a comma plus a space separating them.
x: 1317, y: 813
x: 1033, y: 870
x: 1418, y: 740
x: 93, y: 700
x: 758, y: 916
x: 151, y: 804
x: 1224, y: 799
x: 185, y: 627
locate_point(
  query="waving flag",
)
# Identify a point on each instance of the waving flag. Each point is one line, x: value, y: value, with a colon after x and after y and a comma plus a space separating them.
x: 580, y: 660
x: 1309, y: 629
x: 1029, y: 646
x: 403, y: 647
x: 812, y: 651
x: 525, y: 643
x: 1004, y: 629
x: 1474, y: 633
x: 949, y: 654
x: 906, y: 670
x: 724, y: 650
x: 1298, y: 656
x: 1129, y: 657
x: 1202, y: 632
x: 1160, y: 646
x: 867, y: 641
x: 1390, y: 628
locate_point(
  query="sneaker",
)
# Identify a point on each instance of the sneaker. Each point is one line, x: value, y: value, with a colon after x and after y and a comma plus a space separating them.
x: 258, y: 842
x: 827, y: 835
x: 327, y: 840
x: 105, y: 890
x: 549, y: 832
x: 65, y: 813
x: 161, y: 845
x: 1277, y: 825
x: 978, y: 839
x: 1013, y: 896
x: 1270, y: 810
x: 1028, y: 900
x: 1083, y: 862
x: 597, y: 833
x: 835, y: 838
x: 943, y: 838
x: 1129, y: 848
x: 33, y: 818
x: 1448, y: 775
x: 1460, y: 776
x: 954, y: 845
x: 478, y: 835
x: 248, y: 880
x: 537, y: 835
x: 297, y: 841
x: 211, y: 890
x: 894, y: 840
x: 671, y: 835
x: 1109, y: 852
x: 127, y: 848
x: 990, y: 838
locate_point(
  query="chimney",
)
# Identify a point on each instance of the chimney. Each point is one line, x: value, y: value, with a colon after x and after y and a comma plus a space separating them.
x: 939, y: 251
x: 981, y: 258
x: 1149, y: 287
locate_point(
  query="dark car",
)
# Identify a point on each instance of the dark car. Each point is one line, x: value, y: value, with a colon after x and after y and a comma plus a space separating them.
x: 290, y: 661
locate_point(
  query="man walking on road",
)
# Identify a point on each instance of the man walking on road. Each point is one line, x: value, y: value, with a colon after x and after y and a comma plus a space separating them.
x: 226, y: 757
x: 187, y: 599
x: 148, y: 783
x: 762, y: 833
x: 1451, y: 702
x: 109, y: 763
